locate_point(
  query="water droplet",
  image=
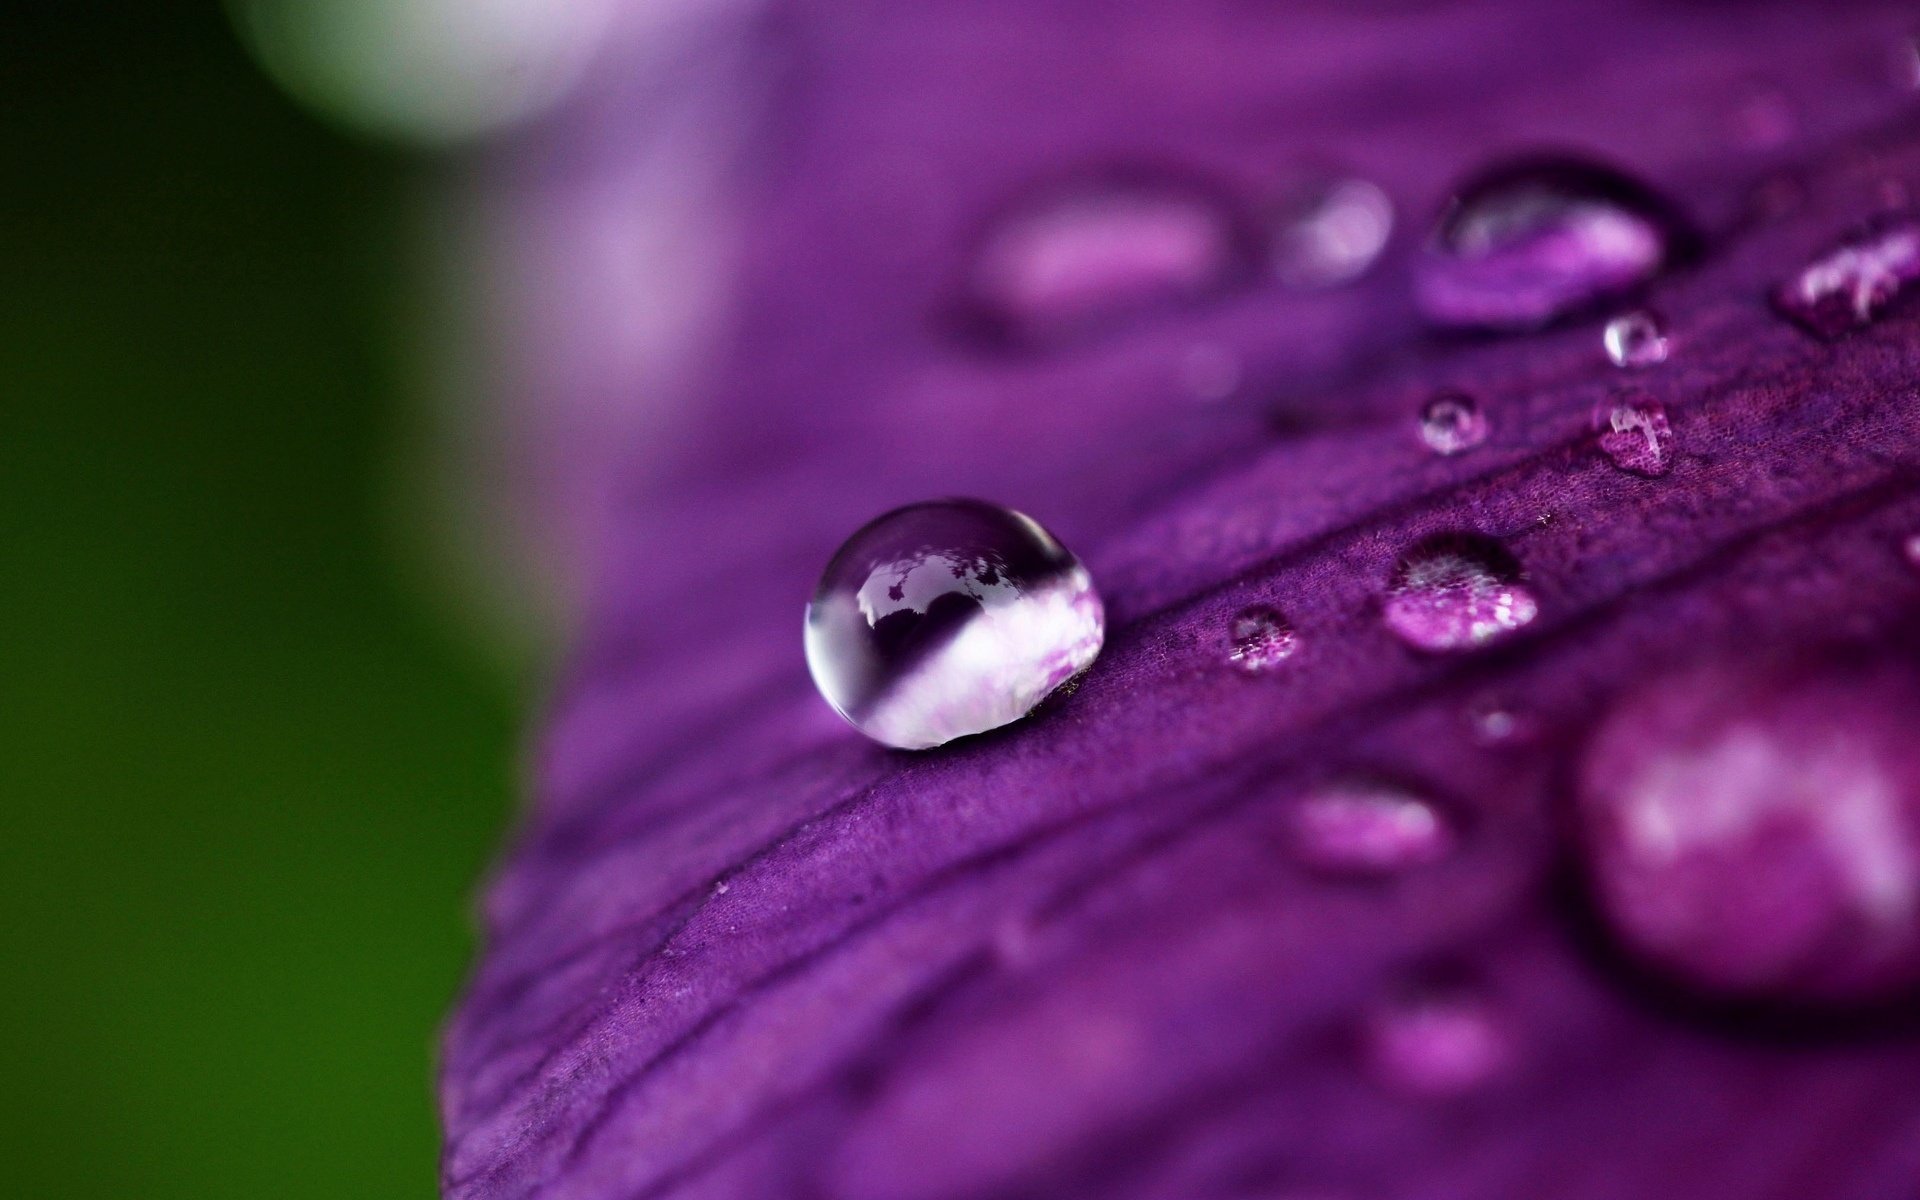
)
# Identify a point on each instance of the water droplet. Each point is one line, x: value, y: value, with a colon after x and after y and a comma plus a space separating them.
x: 1636, y: 339
x: 1451, y: 423
x: 1435, y: 1043
x: 948, y: 618
x: 1854, y: 281
x: 1456, y: 591
x: 1260, y: 640
x: 1635, y: 434
x: 1492, y: 721
x: 1754, y: 829
x: 1911, y: 548
x: 1533, y: 241
x: 1360, y: 827
x: 1330, y: 232
x: 1098, y: 249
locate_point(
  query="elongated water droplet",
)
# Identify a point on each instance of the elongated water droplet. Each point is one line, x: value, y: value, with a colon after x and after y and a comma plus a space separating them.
x: 1260, y: 639
x: 1330, y: 232
x: 1636, y: 339
x: 1456, y: 591
x: 1754, y: 830
x: 1635, y: 434
x: 1532, y: 241
x: 1366, y: 827
x: 1435, y: 1043
x: 1452, y: 422
x: 948, y: 618
x: 1848, y: 286
x: 1098, y: 249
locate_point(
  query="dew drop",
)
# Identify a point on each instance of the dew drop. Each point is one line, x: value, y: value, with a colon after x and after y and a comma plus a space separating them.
x: 1098, y: 249
x: 1362, y: 827
x: 1456, y: 591
x: 1636, y: 339
x: 1753, y: 829
x: 1435, y: 1043
x: 1536, y: 240
x: 1853, y: 282
x: 1452, y: 422
x: 1260, y: 639
x: 948, y: 618
x: 1635, y: 434
x: 1330, y: 232
x: 1492, y: 721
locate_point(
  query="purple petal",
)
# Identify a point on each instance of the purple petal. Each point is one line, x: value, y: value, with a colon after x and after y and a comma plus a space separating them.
x: 738, y: 951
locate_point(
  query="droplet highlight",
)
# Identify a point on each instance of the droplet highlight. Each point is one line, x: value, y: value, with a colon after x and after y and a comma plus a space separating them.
x: 1457, y: 591
x: 1329, y: 232
x: 1533, y: 241
x: 1636, y: 340
x: 1435, y: 1044
x: 1856, y: 280
x: 1260, y: 638
x: 1367, y: 828
x: 949, y: 618
x: 1635, y: 435
x: 1452, y: 423
x: 1087, y: 254
x: 1752, y: 830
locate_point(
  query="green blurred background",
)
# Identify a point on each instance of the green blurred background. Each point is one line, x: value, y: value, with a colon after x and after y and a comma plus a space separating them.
x: 251, y: 771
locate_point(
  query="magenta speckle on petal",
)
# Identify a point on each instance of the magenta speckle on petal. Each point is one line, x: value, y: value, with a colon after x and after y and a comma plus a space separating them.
x: 1849, y: 285
x: 1527, y: 243
x: 947, y: 619
x: 1756, y: 831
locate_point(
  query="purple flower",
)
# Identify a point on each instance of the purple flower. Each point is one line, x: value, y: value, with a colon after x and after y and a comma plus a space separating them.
x: 1658, y: 921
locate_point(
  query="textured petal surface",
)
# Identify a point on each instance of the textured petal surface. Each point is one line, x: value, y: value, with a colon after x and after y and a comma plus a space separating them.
x: 737, y: 951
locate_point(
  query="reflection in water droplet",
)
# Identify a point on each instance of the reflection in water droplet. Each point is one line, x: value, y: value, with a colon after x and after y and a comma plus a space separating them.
x: 1361, y: 827
x: 1536, y: 240
x: 1435, y: 1044
x: 1099, y: 249
x: 1854, y: 281
x: 1754, y: 829
x: 1636, y: 339
x: 1329, y: 232
x: 1452, y: 422
x: 1260, y: 639
x: 1456, y: 591
x: 1635, y: 434
x: 949, y: 618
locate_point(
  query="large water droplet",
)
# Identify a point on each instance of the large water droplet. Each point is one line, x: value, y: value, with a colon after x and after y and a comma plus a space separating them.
x: 1329, y: 232
x: 1754, y: 830
x: 1435, y: 1043
x: 1854, y: 281
x: 1636, y: 339
x: 1455, y: 591
x: 1098, y: 249
x: 1452, y: 422
x: 1260, y: 639
x: 948, y: 618
x: 1536, y: 240
x: 1365, y: 827
x: 1635, y: 434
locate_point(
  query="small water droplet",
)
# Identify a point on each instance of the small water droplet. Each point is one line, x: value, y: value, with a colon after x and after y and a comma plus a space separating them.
x: 1493, y: 721
x: 1853, y: 282
x: 1635, y: 434
x: 1911, y: 548
x: 1536, y: 240
x: 1753, y: 829
x: 948, y: 618
x: 1098, y: 249
x: 1636, y: 339
x: 1260, y: 639
x: 1452, y: 422
x: 1435, y: 1043
x: 1330, y: 232
x: 1210, y: 373
x: 1456, y: 591
x: 1363, y: 827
